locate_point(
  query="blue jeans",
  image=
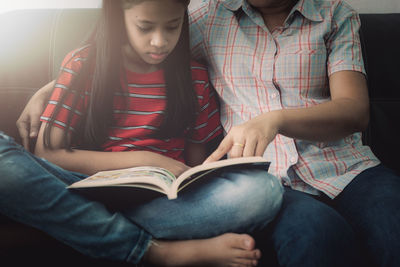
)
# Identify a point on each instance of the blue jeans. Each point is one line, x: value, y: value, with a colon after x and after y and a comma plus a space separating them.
x: 33, y: 191
x: 360, y: 227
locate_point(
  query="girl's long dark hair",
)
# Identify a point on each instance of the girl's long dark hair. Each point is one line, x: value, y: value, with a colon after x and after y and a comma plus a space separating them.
x: 103, y: 68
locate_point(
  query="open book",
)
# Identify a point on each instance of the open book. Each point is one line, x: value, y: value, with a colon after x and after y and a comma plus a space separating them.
x: 161, y: 180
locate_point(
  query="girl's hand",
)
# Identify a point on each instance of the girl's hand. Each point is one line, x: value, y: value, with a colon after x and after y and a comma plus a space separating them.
x: 250, y: 138
x: 28, y: 123
x: 176, y: 167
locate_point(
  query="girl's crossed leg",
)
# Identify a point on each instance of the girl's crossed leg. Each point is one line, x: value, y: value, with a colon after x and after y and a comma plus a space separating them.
x: 236, y: 201
x: 33, y: 191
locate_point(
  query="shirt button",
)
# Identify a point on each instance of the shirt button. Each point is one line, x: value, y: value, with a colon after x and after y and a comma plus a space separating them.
x: 274, y: 95
x: 293, y: 160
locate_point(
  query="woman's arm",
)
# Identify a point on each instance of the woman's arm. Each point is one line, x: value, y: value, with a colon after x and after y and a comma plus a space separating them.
x: 28, y: 122
x: 345, y: 113
x: 90, y: 162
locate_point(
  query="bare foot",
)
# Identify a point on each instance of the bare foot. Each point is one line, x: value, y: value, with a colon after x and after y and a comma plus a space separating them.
x: 224, y: 250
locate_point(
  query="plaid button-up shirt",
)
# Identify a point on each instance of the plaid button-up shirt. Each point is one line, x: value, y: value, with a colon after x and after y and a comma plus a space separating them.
x: 256, y: 71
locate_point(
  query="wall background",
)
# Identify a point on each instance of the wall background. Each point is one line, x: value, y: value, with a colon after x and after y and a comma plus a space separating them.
x: 9, y: 5
x: 365, y: 6
x: 362, y: 6
x: 375, y: 6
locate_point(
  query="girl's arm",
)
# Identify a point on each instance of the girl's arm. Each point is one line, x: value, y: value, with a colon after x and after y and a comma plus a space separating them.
x: 90, y: 162
x: 28, y: 122
x: 345, y: 113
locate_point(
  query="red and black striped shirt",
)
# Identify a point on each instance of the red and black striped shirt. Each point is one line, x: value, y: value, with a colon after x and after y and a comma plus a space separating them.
x: 136, y: 121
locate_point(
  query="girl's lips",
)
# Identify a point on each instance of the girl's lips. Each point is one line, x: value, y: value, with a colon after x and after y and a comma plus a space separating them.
x: 158, y: 56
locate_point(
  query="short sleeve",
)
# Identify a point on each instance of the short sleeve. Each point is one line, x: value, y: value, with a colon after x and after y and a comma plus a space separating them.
x: 343, y: 44
x: 208, y: 124
x: 197, y: 20
x: 72, y: 102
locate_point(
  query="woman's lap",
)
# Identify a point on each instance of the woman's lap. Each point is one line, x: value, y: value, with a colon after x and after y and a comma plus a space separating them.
x: 362, y: 220
x: 371, y: 204
x: 307, y: 232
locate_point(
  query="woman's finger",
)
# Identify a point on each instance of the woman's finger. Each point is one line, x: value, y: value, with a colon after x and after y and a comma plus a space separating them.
x: 23, y: 129
x: 261, y: 147
x: 35, y: 125
x: 249, y: 149
x: 237, y: 149
x: 221, y: 150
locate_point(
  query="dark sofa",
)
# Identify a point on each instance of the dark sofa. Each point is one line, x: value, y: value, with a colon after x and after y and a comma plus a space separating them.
x: 35, y: 41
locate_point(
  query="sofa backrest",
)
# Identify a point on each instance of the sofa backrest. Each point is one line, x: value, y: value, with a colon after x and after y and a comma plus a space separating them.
x: 34, y: 42
x: 380, y: 37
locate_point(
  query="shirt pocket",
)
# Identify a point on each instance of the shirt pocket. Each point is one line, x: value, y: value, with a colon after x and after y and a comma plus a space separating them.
x: 304, y: 61
x: 304, y: 71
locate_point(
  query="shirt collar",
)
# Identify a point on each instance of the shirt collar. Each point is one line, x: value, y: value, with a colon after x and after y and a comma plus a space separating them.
x: 306, y: 7
x: 232, y: 5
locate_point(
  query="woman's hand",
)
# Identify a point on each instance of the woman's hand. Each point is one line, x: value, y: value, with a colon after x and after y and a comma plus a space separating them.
x: 250, y: 138
x: 347, y: 112
x: 28, y: 123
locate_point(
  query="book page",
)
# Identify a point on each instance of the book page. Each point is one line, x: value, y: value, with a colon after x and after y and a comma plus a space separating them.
x: 201, y: 170
x: 187, y: 182
x: 131, y: 176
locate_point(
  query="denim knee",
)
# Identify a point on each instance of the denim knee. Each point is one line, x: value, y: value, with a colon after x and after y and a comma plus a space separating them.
x: 8, y: 146
x: 6, y: 142
x: 370, y: 203
x: 18, y: 167
x: 8, y: 164
x: 257, y: 196
x: 309, y: 233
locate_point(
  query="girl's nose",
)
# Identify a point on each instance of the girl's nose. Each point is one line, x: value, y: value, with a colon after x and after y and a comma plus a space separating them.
x: 158, y: 40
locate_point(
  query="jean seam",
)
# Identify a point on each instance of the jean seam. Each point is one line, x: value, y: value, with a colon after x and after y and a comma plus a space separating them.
x: 140, y: 247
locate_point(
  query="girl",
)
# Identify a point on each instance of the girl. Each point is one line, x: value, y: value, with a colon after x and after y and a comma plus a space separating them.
x: 133, y: 91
